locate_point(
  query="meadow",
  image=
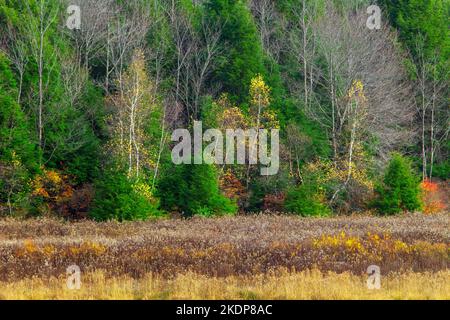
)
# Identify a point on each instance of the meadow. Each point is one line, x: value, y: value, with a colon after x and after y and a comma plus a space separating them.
x: 105, y: 103
x: 305, y: 285
x: 246, y: 257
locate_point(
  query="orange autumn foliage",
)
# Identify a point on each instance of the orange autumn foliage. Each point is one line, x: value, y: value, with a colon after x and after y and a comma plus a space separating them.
x: 58, y: 194
x: 432, y: 197
x: 52, y: 186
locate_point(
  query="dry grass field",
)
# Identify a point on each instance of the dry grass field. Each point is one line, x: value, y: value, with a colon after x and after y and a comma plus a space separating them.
x: 282, y: 285
x: 245, y: 257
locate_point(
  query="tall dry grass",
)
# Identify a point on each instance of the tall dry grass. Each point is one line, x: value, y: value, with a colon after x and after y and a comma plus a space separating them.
x: 224, y: 246
x: 228, y: 258
x: 284, y: 285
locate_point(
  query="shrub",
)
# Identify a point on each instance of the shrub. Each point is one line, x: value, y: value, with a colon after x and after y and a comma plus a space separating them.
x: 232, y: 187
x: 442, y: 170
x: 119, y: 198
x: 326, y: 186
x: 193, y: 189
x: 51, y: 192
x: 14, y: 189
x: 309, y: 198
x: 431, y: 197
x: 399, y: 190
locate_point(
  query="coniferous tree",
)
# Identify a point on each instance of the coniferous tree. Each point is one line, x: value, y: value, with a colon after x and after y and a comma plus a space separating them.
x: 193, y: 190
x: 399, y: 190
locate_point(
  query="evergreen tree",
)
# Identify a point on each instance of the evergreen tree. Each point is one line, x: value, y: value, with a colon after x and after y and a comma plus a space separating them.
x: 309, y: 198
x: 17, y: 152
x: 14, y: 130
x: 119, y: 198
x: 428, y: 18
x: 57, y: 94
x: 193, y: 189
x: 242, y: 56
x: 399, y: 190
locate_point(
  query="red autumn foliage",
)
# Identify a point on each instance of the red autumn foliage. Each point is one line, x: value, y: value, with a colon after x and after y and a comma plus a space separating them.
x: 432, y: 197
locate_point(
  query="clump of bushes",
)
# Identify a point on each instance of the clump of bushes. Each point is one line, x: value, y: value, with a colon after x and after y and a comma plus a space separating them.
x: 432, y: 197
x: 400, y: 189
x: 194, y: 190
x: 332, y: 187
x: 14, y: 191
x: 309, y: 198
x: 119, y: 198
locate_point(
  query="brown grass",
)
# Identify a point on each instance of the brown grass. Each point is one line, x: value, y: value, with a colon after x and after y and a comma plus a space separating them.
x: 223, y: 247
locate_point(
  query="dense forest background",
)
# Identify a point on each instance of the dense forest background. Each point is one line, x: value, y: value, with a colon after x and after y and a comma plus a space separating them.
x: 86, y: 115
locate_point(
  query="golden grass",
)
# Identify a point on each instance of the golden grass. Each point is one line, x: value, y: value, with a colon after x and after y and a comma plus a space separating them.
x: 283, y: 285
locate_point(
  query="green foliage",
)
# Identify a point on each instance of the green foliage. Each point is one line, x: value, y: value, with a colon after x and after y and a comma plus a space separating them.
x: 70, y: 119
x: 400, y: 189
x: 424, y: 30
x: 77, y: 154
x: 305, y: 201
x: 17, y: 154
x: 319, y: 146
x: 209, y: 112
x: 442, y: 170
x: 74, y: 109
x: 14, y: 187
x: 14, y: 130
x: 428, y: 18
x: 308, y: 199
x: 117, y: 198
x: 242, y: 56
x: 193, y: 189
x: 83, y: 161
